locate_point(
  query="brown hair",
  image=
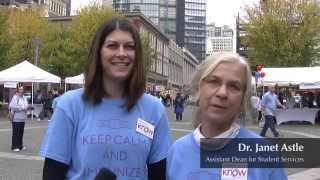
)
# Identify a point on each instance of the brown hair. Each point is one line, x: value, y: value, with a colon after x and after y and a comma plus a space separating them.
x: 136, y: 82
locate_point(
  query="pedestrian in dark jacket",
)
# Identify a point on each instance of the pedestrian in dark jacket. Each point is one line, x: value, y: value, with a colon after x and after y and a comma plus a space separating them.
x: 178, y: 106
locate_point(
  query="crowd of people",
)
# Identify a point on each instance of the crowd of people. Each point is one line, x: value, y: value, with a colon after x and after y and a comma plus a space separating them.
x: 19, y: 107
x: 282, y: 97
x: 48, y: 99
x: 295, y: 98
x: 112, y: 129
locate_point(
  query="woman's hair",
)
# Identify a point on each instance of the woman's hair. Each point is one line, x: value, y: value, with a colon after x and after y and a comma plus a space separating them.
x: 136, y: 82
x: 208, y: 66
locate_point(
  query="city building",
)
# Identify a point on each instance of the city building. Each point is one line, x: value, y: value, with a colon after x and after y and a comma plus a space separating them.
x: 189, y: 67
x: 68, y: 7
x: 56, y: 7
x: 219, y: 44
x: 219, y: 39
x: 50, y: 7
x: 191, y: 25
x: 187, y: 17
x: 158, y: 74
x: 155, y: 10
x: 176, y: 61
x: 240, y: 33
x: 161, y: 12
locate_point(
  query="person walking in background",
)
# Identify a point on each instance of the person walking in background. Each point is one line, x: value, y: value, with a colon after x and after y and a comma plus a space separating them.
x: 178, y: 106
x: 110, y: 123
x: 18, y: 107
x: 269, y: 105
x: 47, y: 104
x: 222, y: 88
x: 168, y: 100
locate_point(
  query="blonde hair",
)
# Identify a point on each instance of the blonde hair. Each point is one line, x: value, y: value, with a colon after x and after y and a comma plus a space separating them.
x: 208, y: 66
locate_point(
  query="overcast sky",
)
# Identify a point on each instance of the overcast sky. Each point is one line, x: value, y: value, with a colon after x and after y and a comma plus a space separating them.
x: 222, y: 12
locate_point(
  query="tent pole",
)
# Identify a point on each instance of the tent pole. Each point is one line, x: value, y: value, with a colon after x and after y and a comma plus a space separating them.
x: 32, y: 101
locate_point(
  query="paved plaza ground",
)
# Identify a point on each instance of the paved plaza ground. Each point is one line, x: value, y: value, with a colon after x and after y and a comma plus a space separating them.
x: 27, y: 165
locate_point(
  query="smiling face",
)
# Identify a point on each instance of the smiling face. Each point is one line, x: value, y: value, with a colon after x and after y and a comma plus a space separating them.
x: 221, y: 93
x: 118, y: 56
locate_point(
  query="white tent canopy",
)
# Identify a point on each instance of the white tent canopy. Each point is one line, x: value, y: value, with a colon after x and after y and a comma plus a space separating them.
x: 294, y: 75
x: 79, y: 79
x: 27, y: 72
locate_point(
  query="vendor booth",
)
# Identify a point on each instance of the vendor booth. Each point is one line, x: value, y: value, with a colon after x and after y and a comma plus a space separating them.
x: 27, y: 72
x: 75, y: 80
x: 305, y: 79
x: 79, y: 79
x: 293, y: 76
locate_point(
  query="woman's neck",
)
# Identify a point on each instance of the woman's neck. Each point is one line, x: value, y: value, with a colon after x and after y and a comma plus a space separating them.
x: 113, y: 89
x: 211, y: 129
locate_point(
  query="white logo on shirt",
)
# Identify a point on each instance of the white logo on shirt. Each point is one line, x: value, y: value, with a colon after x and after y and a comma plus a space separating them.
x: 145, y: 128
x: 234, y: 173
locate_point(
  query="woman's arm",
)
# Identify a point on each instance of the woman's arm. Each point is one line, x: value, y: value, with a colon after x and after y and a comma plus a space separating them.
x: 13, y: 105
x: 53, y: 170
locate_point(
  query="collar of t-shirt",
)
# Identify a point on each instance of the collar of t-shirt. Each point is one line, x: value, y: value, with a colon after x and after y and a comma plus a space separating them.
x: 232, y: 132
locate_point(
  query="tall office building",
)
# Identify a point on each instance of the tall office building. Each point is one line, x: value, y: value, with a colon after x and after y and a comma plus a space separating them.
x: 12, y: 2
x: 155, y: 10
x: 187, y: 17
x: 161, y: 12
x: 191, y: 25
x: 68, y: 7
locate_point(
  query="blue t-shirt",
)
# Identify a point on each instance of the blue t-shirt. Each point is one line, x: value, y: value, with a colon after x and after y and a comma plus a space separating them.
x: 55, y: 102
x: 88, y: 138
x: 183, y: 162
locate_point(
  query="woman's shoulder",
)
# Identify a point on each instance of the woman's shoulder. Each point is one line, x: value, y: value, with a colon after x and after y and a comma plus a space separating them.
x: 72, y: 96
x: 184, y: 141
x: 246, y: 133
x: 149, y: 100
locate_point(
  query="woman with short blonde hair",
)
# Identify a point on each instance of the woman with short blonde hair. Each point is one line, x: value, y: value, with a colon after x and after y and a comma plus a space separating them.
x: 221, y: 87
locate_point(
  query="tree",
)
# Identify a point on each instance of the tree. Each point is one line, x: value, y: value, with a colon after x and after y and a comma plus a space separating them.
x: 3, y: 40
x: 58, y: 51
x: 67, y: 47
x: 26, y: 27
x: 283, y: 33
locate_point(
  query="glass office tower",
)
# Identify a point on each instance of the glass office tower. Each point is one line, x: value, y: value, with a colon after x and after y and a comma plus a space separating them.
x: 191, y: 25
x: 181, y: 20
x: 160, y: 12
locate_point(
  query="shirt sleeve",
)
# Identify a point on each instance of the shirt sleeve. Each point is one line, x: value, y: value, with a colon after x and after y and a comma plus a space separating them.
x: 264, y: 101
x: 57, y: 143
x: 161, y: 140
